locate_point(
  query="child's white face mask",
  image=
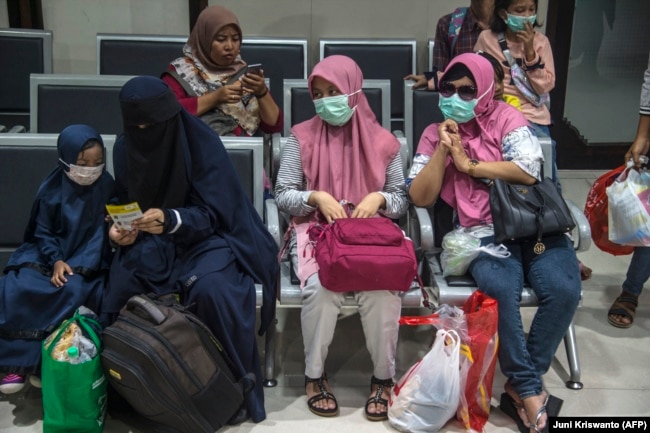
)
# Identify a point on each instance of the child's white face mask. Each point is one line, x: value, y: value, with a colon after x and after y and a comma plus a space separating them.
x: 83, y: 175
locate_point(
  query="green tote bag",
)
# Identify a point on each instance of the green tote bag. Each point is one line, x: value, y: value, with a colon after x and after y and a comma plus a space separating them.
x: 74, y: 395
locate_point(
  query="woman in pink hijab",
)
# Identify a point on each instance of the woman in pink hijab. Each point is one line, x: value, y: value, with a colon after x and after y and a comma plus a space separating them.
x: 341, y: 155
x: 484, y: 139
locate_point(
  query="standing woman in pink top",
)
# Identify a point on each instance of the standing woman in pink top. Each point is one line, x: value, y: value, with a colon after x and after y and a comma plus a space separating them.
x: 516, y: 21
x: 342, y: 153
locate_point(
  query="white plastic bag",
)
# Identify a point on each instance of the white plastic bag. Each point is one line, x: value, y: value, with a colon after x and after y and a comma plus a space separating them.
x: 629, y: 208
x: 427, y: 396
x: 460, y: 247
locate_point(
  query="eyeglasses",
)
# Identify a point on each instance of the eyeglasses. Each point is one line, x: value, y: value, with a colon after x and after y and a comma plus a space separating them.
x: 466, y: 93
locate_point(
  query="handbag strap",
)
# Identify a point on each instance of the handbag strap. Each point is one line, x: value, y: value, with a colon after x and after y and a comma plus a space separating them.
x: 519, y: 76
x: 539, y: 246
x: 85, y: 322
x: 184, y: 84
x: 506, y: 51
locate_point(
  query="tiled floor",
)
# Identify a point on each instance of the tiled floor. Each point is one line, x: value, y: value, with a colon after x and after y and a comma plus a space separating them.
x: 614, y: 363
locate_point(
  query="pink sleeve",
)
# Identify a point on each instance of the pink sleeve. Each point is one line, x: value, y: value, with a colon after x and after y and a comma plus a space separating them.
x: 428, y: 140
x: 542, y: 78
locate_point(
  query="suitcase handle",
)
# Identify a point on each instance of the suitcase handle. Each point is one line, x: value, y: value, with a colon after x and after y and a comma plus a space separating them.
x: 145, y: 309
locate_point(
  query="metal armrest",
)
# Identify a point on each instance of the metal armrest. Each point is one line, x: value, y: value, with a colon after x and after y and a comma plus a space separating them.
x: 424, y: 235
x: 583, y: 241
x: 273, y: 221
x: 274, y: 153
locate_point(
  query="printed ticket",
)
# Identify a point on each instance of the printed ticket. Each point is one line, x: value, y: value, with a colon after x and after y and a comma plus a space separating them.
x: 124, y: 214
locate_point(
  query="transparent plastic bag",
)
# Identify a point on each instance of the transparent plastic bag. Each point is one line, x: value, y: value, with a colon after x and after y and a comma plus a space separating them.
x: 629, y: 207
x: 427, y: 396
x: 71, y: 344
x: 460, y: 247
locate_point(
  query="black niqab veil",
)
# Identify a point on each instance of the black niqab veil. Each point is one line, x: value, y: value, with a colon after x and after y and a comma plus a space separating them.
x: 179, y: 161
x: 157, y: 172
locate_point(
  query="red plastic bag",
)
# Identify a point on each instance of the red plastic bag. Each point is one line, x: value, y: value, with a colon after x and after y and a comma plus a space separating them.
x: 596, y: 212
x: 479, y: 337
x: 482, y: 323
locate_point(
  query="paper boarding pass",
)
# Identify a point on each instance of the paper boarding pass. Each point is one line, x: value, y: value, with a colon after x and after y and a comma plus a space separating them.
x: 124, y: 214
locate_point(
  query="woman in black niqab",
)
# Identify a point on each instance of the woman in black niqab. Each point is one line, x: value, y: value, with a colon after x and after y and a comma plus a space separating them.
x: 212, y: 247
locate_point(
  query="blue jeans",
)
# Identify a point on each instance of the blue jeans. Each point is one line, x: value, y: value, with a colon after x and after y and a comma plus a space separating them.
x: 638, y: 272
x: 555, y: 279
x: 544, y: 131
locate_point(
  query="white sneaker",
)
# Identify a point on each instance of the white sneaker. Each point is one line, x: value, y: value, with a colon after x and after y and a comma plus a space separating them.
x: 12, y: 383
x: 35, y: 381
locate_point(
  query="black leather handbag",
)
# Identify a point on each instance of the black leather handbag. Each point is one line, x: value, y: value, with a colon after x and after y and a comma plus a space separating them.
x: 524, y: 212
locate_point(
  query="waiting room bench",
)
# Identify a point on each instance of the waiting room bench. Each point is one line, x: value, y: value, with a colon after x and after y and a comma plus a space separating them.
x: 26, y: 51
x: 25, y: 160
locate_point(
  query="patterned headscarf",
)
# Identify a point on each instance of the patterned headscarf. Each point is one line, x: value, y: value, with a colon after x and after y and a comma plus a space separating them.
x: 198, y: 69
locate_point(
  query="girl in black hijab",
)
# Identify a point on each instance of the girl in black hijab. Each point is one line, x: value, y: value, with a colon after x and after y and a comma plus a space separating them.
x: 64, y: 259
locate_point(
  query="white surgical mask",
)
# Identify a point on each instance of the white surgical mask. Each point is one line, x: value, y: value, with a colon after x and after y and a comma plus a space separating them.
x: 83, y: 175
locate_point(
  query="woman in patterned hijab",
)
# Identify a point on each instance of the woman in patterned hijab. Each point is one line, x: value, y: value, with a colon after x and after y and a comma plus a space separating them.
x: 213, y: 82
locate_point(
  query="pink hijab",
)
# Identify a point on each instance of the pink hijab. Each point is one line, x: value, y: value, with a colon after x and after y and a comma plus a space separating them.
x: 481, y: 138
x: 347, y: 161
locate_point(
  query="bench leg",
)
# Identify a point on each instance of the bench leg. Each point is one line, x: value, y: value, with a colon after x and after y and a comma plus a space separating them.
x: 269, y: 356
x: 574, y: 362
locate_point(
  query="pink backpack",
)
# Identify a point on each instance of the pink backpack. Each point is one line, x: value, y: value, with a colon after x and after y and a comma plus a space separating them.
x: 356, y: 254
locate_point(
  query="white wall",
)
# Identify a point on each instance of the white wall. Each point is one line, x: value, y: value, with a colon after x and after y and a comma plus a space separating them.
x: 75, y: 23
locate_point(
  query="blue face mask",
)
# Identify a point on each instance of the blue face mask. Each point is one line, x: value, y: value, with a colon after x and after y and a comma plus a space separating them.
x: 517, y: 23
x: 456, y: 109
x: 335, y: 110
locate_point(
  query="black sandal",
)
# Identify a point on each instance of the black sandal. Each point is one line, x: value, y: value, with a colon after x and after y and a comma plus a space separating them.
x: 376, y: 399
x: 552, y: 406
x: 324, y: 395
x: 625, y: 305
x: 510, y: 407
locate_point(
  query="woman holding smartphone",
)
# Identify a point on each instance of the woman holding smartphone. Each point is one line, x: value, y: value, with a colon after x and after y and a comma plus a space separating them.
x: 213, y: 82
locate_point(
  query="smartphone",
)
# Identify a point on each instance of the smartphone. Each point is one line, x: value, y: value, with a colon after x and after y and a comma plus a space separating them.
x: 254, y: 68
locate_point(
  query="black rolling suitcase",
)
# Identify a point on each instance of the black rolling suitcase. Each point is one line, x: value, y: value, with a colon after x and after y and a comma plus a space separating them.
x: 170, y: 368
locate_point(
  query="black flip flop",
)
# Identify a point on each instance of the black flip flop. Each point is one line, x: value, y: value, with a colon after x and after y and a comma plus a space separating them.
x: 508, y: 406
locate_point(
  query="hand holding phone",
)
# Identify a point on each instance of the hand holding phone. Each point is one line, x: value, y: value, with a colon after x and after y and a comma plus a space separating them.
x: 254, y: 68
